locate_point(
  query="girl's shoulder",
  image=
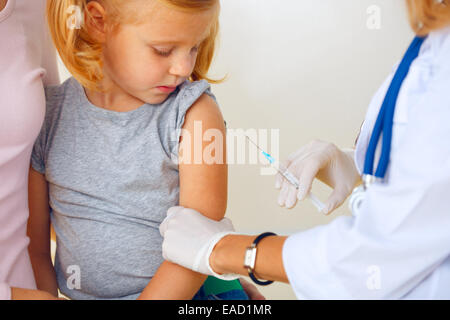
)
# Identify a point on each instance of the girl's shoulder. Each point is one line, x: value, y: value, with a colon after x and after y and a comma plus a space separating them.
x: 190, y: 91
x: 186, y: 96
x: 58, y: 98
x: 55, y: 95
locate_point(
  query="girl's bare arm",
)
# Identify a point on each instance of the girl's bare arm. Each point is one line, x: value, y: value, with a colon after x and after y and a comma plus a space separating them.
x: 203, y: 187
x: 38, y: 231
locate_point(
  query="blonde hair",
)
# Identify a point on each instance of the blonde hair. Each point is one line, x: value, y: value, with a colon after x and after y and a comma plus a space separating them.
x: 82, y: 55
x: 428, y: 15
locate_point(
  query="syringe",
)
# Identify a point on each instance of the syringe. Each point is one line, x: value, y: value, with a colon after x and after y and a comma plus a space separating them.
x: 289, y: 176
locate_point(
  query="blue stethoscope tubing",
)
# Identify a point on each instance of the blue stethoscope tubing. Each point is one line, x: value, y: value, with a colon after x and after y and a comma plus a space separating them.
x: 384, y: 122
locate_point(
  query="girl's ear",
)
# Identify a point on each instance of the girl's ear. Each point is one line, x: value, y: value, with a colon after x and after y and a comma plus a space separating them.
x: 95, y: 20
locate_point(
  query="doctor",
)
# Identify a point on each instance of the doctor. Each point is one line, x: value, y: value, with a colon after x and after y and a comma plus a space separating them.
x: 396, y: 245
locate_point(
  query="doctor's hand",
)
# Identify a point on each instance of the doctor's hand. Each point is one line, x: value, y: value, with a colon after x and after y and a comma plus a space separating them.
x: 326, y: 162
x: 190, y: 237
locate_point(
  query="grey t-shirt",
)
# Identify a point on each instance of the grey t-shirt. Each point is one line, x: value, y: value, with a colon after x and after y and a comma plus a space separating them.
x: 112, y: 176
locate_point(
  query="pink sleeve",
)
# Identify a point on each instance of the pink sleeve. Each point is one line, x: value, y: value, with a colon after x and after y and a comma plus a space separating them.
x: 5, y: 291
x: 32, y: 16
x: 22, y: 113
x: 49, y: 61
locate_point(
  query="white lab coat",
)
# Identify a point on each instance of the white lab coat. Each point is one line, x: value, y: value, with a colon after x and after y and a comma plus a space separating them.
x: 398, y: 245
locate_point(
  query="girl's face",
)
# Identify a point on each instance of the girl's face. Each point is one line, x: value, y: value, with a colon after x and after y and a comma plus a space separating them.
x: 148, y: 61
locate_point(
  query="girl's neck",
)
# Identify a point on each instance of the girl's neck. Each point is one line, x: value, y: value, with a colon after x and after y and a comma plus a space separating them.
x: 114, y: 99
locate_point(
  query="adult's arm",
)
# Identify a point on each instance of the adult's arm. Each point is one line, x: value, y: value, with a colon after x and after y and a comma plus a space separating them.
x: 13, y: 293
x: 399, y: 237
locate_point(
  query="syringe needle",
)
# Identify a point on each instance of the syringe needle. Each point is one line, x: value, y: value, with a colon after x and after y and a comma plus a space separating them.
x: 289, y: 176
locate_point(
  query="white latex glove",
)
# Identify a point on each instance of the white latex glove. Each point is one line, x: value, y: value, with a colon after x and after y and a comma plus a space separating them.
x: 190, y: 237
x: 326, y: 162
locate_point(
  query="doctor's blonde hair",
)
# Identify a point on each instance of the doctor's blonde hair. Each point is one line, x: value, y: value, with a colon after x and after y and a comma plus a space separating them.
x: 82, y: 55
x: 428, y: 15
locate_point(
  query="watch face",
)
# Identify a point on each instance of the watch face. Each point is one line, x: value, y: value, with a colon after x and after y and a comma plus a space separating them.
x: 250, y: 257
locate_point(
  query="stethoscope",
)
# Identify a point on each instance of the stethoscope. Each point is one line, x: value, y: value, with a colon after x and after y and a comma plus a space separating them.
x: 384, y: 124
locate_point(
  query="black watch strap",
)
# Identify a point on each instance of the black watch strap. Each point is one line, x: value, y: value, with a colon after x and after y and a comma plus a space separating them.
x: 250, y: 258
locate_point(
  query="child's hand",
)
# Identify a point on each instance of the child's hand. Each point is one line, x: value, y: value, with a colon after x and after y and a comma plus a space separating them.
x: 251, y: 290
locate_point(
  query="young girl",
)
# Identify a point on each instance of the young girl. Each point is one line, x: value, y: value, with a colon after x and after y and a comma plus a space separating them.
x: 102, y: 167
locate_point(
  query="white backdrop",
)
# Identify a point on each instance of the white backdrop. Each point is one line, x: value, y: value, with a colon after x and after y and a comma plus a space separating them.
x: 308, y: 68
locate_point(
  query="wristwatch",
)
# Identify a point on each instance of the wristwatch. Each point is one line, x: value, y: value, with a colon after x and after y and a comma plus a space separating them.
x: 250, y: 258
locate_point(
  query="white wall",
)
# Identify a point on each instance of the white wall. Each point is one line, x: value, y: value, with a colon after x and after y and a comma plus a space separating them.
x: 308, y: 68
